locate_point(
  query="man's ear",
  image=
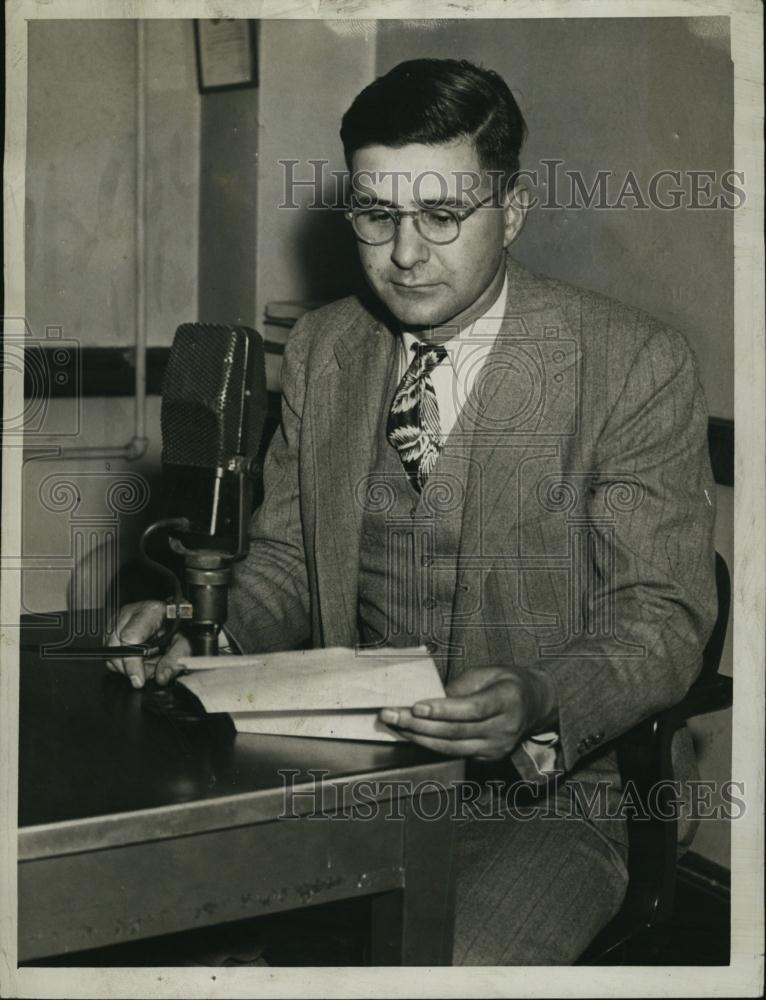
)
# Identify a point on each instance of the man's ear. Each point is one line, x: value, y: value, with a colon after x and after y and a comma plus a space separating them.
x: 516, y: 204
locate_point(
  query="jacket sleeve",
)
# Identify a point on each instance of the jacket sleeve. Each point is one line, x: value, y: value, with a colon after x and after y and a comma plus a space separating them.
x: 648, y: 592
x: 269, y: 606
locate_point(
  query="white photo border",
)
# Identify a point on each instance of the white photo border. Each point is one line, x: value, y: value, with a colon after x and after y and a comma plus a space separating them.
x: 744, y: 976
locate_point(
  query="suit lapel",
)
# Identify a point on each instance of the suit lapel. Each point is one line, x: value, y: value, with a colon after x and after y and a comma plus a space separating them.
x: 525, y: 402
x: 347, y: 409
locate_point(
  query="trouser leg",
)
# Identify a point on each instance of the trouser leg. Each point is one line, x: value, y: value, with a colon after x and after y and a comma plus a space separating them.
x: 534, y: 888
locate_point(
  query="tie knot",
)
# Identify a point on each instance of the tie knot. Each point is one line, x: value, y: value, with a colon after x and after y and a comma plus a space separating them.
x: 428, y: 356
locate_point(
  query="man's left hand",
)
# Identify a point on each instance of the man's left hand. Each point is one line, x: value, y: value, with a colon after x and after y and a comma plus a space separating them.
x: 487, y: 712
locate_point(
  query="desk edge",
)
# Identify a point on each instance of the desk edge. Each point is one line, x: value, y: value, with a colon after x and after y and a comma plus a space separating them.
x: 185, y: 819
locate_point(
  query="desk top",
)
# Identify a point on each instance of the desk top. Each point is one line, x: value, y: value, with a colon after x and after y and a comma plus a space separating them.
x: 91, y: 749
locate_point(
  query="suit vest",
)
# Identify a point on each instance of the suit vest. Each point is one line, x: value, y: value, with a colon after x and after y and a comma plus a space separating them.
x: 410, y: 543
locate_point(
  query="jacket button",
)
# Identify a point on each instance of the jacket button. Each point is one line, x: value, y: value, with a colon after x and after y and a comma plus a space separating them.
x: 598, y: 737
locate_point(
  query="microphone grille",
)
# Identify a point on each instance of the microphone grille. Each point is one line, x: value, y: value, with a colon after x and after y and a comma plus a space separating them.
x: 204, y: 399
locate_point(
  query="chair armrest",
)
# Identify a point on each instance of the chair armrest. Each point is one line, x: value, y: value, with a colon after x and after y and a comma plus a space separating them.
x: 705, y: 695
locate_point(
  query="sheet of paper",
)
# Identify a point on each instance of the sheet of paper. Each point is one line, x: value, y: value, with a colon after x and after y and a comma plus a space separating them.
x: 347, y: 725
x: 321, y: 693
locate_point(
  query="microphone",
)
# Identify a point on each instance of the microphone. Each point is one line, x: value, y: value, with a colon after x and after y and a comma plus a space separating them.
x: 212, y: 419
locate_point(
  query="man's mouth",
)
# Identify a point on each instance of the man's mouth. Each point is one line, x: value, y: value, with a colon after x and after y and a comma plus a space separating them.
x: 413, y: 286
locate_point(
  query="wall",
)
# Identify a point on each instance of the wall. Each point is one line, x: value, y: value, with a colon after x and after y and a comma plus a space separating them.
x: 228, y: 184
x: 49, y: 528
x: 303, y: 254
x: 81, y: 242
x: 81, y: 179
x: 173, y: 178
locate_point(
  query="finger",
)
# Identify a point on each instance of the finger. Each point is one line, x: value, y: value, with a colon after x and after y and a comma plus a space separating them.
x: 113, y: 630
x: 450, y: 748
x: 484, y: 704
x: 134, y: 670
x: 474, y: 708
x: 144, y: 619
x: 436, y: 728
x: 113, y: 636
x: 117, y: 666
x: 167, y: 666
x: 135, y: 624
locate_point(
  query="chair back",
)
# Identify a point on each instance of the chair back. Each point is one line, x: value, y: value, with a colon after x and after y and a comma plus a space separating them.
x: 644, y: 759
x: 711, y: 657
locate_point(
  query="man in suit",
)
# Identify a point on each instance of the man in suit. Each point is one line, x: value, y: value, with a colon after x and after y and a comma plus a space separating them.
x: 508, y: 469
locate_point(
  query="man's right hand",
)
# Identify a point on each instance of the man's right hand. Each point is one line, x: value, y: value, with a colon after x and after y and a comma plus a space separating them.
x: 137, y: 623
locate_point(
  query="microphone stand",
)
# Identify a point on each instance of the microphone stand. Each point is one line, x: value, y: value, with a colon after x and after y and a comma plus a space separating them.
x: 208, y: 572
x: 204, y: 602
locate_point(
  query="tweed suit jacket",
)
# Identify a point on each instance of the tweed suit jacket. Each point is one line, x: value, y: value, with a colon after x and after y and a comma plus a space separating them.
x: 586, y: 545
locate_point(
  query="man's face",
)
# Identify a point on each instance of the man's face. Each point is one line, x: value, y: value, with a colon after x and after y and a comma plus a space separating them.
x: 423, y: 283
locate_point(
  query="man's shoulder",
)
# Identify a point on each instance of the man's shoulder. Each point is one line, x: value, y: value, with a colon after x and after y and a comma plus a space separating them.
x: 315, y: 336
x: 340, y: 313
x: 541, y: 291
x: 593, y: 317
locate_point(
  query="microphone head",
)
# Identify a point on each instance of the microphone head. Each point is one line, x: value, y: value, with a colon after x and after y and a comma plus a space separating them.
x: 213, y: 409
x: 213, y: 396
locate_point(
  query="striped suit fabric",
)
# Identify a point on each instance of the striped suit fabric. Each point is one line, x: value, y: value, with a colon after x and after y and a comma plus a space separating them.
x: 585, y: 549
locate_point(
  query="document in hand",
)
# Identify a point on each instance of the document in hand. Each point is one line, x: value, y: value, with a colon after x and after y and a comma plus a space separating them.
x: 330, y: 693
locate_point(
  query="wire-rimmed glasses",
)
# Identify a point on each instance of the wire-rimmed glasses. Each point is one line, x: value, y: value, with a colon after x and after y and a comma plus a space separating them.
x: 378, y: 224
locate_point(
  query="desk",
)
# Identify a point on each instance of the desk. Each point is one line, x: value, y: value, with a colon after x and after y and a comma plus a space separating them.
x: 134, y: 824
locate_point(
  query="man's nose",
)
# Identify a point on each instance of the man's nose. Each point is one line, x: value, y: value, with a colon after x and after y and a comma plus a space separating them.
x: 408, y: 248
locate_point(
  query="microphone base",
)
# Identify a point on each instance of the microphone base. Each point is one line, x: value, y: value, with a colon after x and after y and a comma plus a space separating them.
x: 172, y: 702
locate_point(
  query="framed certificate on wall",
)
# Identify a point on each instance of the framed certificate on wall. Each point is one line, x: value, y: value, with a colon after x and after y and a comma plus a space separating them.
x: 227, y: 53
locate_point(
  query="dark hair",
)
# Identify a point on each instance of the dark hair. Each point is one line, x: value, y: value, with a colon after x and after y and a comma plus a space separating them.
x: 432, y: 101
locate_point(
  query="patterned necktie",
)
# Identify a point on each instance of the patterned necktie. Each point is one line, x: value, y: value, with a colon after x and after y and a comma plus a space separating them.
x: 414, y: 428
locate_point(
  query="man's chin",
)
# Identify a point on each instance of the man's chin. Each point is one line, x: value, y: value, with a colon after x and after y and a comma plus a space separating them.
x: 418, y: 310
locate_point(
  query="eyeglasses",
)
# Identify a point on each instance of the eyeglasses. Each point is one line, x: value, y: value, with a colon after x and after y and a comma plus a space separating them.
x: 378, y: 225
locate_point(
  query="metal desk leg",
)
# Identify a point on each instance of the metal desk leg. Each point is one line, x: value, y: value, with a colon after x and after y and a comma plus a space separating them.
x: 414, y: 925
